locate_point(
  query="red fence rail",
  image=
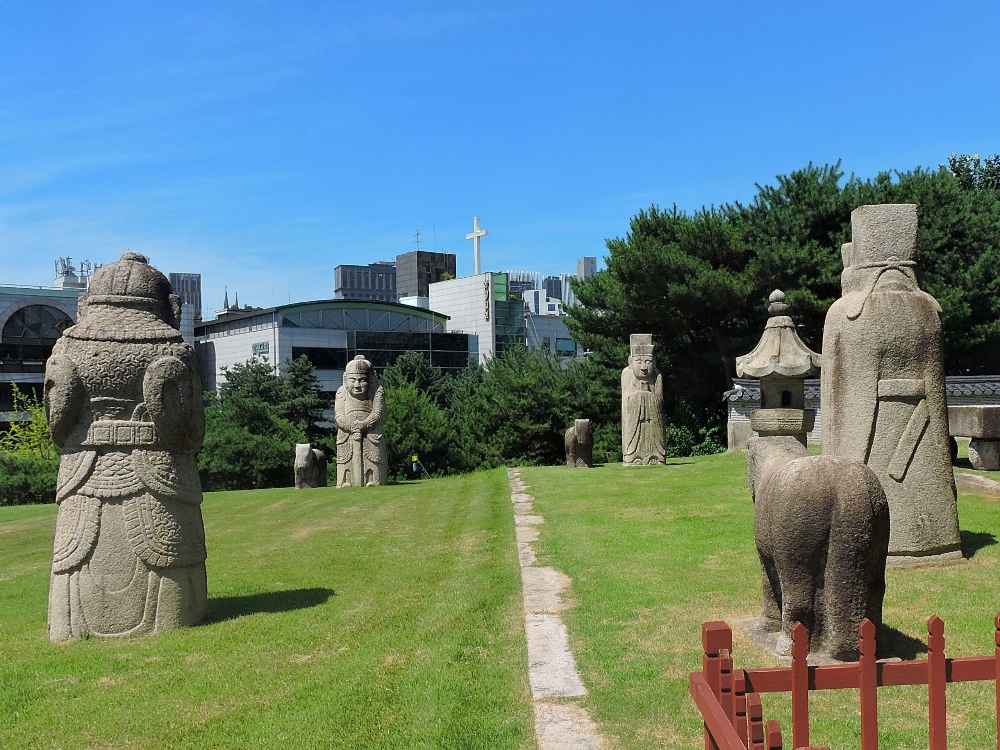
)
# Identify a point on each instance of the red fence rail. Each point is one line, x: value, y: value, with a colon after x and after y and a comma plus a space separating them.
x: 729, y: 699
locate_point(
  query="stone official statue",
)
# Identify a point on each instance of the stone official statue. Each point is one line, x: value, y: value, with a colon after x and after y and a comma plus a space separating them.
x: 124, y: 404
x: 883, y: 388
x: 360, y: 414
x: 643, y: 438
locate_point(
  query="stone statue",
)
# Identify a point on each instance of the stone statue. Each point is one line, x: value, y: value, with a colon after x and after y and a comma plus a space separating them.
x: 360, y: 414
x: 580, y: 445
x: 310, y: 467
x: 883, y: 388
x: 643, y: 437
x: 124, y: 405
x: 821, y: 524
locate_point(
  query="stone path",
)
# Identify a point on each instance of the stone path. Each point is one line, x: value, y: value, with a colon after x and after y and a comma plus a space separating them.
x: 560, y: 724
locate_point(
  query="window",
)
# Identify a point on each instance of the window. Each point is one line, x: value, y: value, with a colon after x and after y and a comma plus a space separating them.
x: 322, y: 358
x: 565, y: 346
x: 28, y: 337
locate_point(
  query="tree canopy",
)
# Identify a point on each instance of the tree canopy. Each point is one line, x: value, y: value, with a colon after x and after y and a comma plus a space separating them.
x: 699, y: 282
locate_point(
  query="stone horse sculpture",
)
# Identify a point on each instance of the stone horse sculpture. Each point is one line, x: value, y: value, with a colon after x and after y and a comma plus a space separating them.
x: 310, y: 467
x: 821, y: 524
x: 580, y: 445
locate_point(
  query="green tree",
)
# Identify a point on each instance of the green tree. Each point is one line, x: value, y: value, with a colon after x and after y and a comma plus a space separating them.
x: 31, y: 436
x: 302, y: 398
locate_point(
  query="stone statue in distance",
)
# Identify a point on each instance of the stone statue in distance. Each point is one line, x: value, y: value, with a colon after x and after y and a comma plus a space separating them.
x: 883, y: 387
x: 580, y: 445
x: 124, y: 404
x: 360, y: 414
x: 643, y: 436
x: 821, y: 525
x: 310, y: 467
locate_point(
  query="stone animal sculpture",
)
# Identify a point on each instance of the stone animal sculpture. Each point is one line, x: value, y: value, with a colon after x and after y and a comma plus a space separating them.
x: 643, y: 436
x: 360, y: 414
x: 579, y: 445
x: 124, y: 404
x: 883, y: 387
x: 310, y: 467
x: 821, y: 524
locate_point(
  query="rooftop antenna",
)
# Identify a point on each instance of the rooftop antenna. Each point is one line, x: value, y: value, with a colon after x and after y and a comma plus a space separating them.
x: 435, y: 236
x: 417, y: 235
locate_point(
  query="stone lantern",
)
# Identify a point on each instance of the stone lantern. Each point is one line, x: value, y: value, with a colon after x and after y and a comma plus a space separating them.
x: 782, y: 363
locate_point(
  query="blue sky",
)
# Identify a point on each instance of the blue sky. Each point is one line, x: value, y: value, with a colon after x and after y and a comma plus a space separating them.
x: 261, y: 144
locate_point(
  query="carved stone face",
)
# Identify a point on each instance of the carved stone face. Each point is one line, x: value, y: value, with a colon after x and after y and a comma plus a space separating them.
x: 643, y: 366
x: 357, y: 384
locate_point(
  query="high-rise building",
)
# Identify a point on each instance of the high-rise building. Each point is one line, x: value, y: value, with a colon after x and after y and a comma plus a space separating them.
x: 537, y: 302
x: 586, y: 267
x: 417, y: 269
x: 481, y: 305
x: 187, y: 286
x: 568, y: 296
x: 552, y: 285
x: 376, y: 282
x: 518, y: 282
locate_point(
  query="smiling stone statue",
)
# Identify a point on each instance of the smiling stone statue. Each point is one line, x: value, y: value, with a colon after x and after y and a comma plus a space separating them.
x: 643, y: 439
x: 360, y: 413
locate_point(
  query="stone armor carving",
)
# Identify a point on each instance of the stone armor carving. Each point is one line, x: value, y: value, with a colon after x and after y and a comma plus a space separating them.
x: 821, y: 524
x: 643, y: 437
x: 360, y: 414
x: 124, y: 404
x: 310, y: 467
x: 883, y: 388
x: 579, y: 445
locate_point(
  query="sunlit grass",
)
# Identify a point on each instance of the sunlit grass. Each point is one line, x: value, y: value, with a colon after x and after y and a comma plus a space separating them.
x: 653, y: 552
x: 376, y: 618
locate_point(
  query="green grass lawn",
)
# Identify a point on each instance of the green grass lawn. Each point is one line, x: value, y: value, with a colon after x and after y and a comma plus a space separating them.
x: 376, y: 618
x: 655, y: 551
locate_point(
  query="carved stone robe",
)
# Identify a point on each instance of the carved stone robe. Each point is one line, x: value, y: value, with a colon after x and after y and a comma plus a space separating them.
x: 883, y: 396
x: 643, y: 437
x: 361, y: 456
x: 124, y: 405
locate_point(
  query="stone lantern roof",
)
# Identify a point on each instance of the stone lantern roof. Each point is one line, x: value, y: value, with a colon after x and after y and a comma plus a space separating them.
x: 780, y: 350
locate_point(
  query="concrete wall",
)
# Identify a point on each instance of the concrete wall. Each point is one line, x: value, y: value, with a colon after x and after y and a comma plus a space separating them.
x: 468, y: 302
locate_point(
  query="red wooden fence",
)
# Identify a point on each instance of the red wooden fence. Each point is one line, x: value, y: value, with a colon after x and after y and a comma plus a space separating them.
x: 729, y: 699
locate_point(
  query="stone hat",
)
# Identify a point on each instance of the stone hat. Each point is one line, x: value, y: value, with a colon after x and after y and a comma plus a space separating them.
x: 359, y: 365
x: 881, y: 234
x: 641, y: 344
x: 128, y: 300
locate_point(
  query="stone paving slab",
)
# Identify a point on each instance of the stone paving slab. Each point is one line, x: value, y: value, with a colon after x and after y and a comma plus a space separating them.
x: 543, y: 588
x: 526, y: 520
x: 565, y: 726
x: 552, y: 668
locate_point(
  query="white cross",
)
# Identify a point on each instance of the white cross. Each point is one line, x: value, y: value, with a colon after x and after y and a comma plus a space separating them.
x: 474, y: 236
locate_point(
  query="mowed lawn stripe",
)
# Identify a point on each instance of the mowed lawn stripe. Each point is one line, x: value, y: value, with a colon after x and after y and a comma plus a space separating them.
x: 655, y: 551
x: 357, y: 618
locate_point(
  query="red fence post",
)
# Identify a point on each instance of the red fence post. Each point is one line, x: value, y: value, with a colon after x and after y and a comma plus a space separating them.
x: 755, y: 723
x: 868, y: 669
x: 726, y: 684
x: 772, y: 734
x: 740, y: 704
x: 800, y: 686
x: 715, y: 638
x: 937, y: 677
x: 996, y: 676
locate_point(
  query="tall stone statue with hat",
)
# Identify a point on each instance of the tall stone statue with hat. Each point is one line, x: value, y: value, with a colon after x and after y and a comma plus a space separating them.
x: 360, y: 414
x: 643, y: 437
x: 883, y: 388
x: 124, y: 404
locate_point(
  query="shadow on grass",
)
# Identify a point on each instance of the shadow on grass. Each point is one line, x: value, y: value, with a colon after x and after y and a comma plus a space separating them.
x: 892, y: 642
x: 973, y: 541
x: 223, y: 608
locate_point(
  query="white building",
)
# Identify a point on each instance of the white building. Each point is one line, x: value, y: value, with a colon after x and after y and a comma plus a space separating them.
x: 329, y: 333
x: 481, y: 306
x: 537, y: 302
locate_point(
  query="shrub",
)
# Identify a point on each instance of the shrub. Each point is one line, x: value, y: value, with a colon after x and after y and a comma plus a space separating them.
x: 27, y: 479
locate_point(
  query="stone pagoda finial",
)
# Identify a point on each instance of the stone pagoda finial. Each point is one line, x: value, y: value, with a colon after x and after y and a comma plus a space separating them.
x: 782, y: 363
x: 780, y: 350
